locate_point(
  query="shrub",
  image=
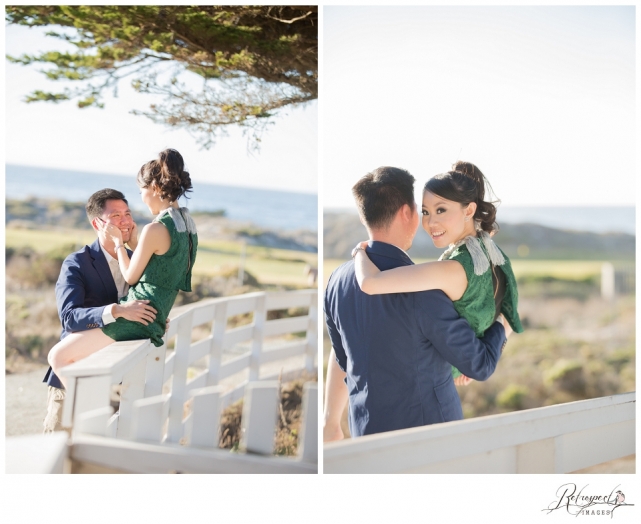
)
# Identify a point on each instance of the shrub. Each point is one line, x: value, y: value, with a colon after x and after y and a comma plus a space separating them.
x: 567, y: 375
x: 512, y: 397
x: 30, y: 269
x: 620, y: 358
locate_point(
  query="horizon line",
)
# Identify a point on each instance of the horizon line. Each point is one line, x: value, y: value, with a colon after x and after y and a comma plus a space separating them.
x: 99, y: 173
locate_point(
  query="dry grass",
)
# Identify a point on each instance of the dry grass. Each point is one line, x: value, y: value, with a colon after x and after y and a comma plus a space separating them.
x: 288, y: 423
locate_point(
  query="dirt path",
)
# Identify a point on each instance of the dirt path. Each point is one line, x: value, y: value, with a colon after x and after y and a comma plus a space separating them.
x: 25, y: 402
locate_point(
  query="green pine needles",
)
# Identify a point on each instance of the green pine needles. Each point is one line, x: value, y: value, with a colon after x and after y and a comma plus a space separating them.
x: 253, y: 60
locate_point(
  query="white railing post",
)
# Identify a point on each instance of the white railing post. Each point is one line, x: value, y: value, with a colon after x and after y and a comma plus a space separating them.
x: 149, y: 418
x: 312, y: 333
x: 155, y: 371
x: 308, y: 440
x: 178, y: 384
x: 93, y: 422
x: 260, y: 316
x: 540, y: 456
x: 131, y: 389
x: 218, y: 336
x: 204, y: 420
x: 91, y: 393
x: 608, y: 288
x: 69, y: 403
x: 260, y: 412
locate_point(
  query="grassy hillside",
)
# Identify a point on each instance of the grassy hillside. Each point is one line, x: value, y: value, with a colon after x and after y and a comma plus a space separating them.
x: 341, y: 232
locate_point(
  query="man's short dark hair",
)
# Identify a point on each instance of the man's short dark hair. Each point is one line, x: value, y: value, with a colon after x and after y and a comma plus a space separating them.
x: 96, y: 203
x: 380, y: 194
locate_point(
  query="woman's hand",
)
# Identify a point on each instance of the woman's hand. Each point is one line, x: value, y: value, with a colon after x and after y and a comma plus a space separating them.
x: 133, y: 237
x: 112, y: 233
x: 361, y: 246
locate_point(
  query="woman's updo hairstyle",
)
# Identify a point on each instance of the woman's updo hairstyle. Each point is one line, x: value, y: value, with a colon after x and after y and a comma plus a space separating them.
x: 168, y: 172
x: 466, y: 184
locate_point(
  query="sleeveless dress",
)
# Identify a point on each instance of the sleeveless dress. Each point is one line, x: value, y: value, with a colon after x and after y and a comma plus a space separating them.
x: 161, y: 279
x: 481, y: 258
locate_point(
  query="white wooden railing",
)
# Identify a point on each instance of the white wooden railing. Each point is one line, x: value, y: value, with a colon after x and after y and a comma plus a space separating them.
x: 168, y: 419
x: 555, y: 439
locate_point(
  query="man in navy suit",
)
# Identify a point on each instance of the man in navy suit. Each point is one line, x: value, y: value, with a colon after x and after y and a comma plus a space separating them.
x: 90, y: 284
x: 392, y: 354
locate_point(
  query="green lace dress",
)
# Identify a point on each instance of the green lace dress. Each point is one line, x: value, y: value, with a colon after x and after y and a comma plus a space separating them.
x: 480, y: 257
x: 161, y: 279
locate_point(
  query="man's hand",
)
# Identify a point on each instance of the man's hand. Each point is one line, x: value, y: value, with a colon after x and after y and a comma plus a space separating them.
x: 462, y: 380
x: 167, y: 325
x: 506, y: 325
x: 133, y: 237
x: 136, y: 311
x: 332, y: 432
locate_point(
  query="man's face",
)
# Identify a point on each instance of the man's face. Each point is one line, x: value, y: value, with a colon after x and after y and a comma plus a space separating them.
x: 117, y: 213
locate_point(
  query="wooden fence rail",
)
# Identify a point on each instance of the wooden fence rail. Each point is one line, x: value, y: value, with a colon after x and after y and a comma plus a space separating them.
x: 555, y: 439
x: 170, y: 400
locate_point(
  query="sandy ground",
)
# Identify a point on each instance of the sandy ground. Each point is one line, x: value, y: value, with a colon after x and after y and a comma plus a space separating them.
x: 25, y: 402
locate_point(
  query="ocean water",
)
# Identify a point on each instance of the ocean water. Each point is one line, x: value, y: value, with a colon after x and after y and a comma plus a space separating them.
x: 595, y: 219
x: 280, y: 210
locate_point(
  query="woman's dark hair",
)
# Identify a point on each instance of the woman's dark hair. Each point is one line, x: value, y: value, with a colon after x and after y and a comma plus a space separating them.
x: 168, y: 173
x: 466, y: 184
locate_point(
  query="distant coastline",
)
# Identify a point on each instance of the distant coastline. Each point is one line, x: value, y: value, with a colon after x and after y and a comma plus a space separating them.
x: 594, y: 219
x: 280, y: 210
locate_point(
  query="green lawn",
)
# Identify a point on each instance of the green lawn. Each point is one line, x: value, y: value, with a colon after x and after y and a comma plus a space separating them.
x: 44, y: 240
x: 268, y: 265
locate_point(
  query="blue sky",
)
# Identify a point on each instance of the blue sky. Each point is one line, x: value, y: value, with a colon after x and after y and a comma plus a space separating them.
x: 542, y: 99
x: 112, y: 140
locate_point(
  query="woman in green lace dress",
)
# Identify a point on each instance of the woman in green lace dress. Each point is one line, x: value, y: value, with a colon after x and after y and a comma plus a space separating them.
x: 160, y: 266
x: 473, y: 272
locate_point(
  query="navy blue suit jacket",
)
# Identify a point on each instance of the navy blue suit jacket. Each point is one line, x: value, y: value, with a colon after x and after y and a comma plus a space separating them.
x: 397, y: 350
x: 85, y: 286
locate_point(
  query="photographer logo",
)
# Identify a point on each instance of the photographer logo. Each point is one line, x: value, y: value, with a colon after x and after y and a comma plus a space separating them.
x: 569, y: 498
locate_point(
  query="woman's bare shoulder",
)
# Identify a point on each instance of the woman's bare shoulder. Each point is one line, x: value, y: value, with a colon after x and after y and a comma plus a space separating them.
x: 454, y: 278
x: 155, y: 232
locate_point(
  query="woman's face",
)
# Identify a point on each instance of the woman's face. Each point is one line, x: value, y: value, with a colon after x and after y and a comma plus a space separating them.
x: 150, y: 199
x: 446, y: 221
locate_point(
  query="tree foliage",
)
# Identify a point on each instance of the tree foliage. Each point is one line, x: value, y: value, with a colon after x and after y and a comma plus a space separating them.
x: 253, y: 60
